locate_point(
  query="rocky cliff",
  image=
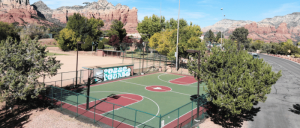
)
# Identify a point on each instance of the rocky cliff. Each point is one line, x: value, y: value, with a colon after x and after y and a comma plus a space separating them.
x: 19, y: 11
x: 276, y: 29
x: 101, y: 9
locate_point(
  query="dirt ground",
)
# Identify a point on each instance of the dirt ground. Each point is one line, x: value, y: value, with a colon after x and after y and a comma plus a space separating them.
x: 54, y: 119
x: 48, y: 41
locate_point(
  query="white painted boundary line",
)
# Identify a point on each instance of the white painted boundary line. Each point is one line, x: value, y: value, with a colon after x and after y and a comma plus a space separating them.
x: 143, y: 97
x: 152, y: 91
x: 125, y: 106
x: 174, y: 79
x: 123, y: 79
x: 95, y: 113
x: 180, y: 116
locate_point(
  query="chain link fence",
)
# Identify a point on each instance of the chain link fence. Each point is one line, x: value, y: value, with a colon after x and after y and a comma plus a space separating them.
x: 101, y: 110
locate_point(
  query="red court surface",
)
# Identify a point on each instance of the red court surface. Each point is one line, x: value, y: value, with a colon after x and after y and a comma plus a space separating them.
x: 184, y: 80
x: 104, y: 107
x: 158, y: 88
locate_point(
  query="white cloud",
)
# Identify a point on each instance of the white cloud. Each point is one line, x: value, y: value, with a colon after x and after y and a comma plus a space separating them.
x: 282, y: 10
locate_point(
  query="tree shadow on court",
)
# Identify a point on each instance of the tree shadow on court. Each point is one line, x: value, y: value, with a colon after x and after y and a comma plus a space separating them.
x: 295, y: 109
x: 218, y: 116
x: 17, y: 113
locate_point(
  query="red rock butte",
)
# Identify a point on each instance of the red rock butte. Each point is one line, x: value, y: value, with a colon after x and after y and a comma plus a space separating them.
x: 276, y: 29
x: 22, y: 12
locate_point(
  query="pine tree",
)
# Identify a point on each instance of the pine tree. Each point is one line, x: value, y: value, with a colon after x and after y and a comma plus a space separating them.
x: 234, y: 81
x: 21, y: 65
x: 211, y: 36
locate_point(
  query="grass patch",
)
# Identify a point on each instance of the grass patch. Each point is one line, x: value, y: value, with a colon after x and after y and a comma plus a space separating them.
x: 54, y: 54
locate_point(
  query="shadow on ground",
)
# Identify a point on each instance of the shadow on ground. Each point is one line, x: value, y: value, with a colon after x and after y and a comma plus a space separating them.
x: 218, y: 117
x: 19, y: 113
x: 295, y: 109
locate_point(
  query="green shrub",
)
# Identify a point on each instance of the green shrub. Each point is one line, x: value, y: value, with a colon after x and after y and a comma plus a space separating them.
x: 88, y: 44
x: 107, y: 46
x: 293, y: 56
x: 297, y: 56
x: 100, y: 45
x: 137, y: 50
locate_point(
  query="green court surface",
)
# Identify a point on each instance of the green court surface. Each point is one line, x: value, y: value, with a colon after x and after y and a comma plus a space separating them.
x: 137, y: 93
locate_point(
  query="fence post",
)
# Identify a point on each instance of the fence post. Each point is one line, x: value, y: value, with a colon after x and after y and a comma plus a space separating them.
x: 153, y: 60
x: 77, y: 106
x: 123, y: 57
x: 60, y: 99
x: 159, y: 121
x: 113, y: 116
x: 139, y: 64
x: 80, y: 77
x: 135, y: 118
x: 52, y: 92
x: 178, y: 119
x: 132, y: 56
x: 192, y: 114
x: 61, y: 80
x: 94, y: 110
x: 159, y: 61
x: 147, y: 61
x: 181, y: 69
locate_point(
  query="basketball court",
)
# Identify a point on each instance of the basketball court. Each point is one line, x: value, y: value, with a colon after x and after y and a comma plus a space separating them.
x: 136, y: 101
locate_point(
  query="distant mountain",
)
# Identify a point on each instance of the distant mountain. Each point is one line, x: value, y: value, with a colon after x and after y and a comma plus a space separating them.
x: 101, y: 9
x: 21, y: 12
x: 276, y: 29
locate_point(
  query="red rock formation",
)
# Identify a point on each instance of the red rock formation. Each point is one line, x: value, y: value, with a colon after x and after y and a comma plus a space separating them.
x: 103, y: 10
x: 282, y: 29
x: 19, y: 11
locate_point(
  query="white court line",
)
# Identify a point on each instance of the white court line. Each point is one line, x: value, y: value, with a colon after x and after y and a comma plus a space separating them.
x: 173, y: 79
x: 142, y: 96
x: 110, y: 102
x: 180, y: 116
x: 152, y: 91
x: 96, y: 113
x: 122, y: 79
x: 126, y: 105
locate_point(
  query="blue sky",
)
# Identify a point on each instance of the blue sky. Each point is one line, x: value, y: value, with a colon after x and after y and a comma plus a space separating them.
x: 201, y: 12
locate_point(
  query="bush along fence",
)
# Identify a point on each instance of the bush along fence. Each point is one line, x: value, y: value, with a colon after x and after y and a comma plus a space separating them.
x: 100, y: 110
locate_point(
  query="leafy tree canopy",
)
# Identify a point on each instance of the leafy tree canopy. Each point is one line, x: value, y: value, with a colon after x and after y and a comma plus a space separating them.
x: 165, y: 41
x: 68, y: 39
x: 235, y: 80
x: 218, y: 37
x: 8, y: 30
x: 150, y: 25
x: 172, y: 24
x: 81, y: 29
x: 21, y: 65
x: 117, y: 29
x: 210, y: 36
x: 240, y: 35
x: 114, y: 41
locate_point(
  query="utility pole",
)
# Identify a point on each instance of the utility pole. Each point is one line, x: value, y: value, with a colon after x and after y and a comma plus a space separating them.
x: 177, y: 37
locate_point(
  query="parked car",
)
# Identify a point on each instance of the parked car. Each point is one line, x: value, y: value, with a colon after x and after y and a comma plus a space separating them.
x: 255, y: 55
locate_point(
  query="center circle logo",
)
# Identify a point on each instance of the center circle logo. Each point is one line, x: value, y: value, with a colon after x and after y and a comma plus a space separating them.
x: 158, y: 88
